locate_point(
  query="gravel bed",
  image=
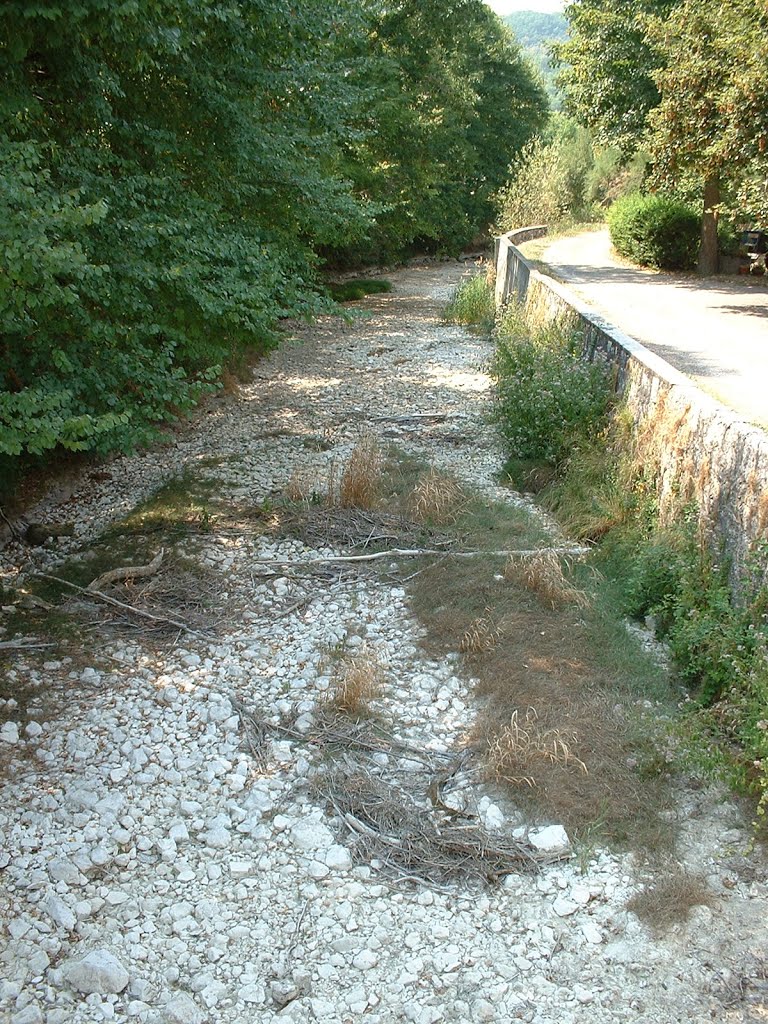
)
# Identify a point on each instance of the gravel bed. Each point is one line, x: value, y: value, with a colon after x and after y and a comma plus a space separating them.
x: 160, y: 862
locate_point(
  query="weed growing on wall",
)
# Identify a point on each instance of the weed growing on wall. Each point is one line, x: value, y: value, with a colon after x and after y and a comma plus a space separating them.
x: 547, y: 398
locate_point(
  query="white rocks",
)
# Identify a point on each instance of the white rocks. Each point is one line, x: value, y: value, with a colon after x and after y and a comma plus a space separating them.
x: 564, y: 907
x: 218, y: 838
x: 338, y: 858
x: 365, y: 960
x: 60, y: 913
x: 552, y: 839
x: 241, y: 868
x: 491, y: 815
x: 310, y: 834
x: 29, y: 1015
x: 592, y: 933
x: 182, y: 1009
x: 65, y: 871
x: 219, y: 880
x: 9, y: 733
x: 98, y: 972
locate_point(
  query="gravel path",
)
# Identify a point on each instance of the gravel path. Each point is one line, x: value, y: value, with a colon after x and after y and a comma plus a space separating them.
x: 158, y: 867
x: 715, y: 330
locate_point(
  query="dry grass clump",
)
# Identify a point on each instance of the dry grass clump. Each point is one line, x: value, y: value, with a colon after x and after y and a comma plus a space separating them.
x: 543, y: 574
x: 361, y: 477
x: 437, y: 498
x: 358, y: 680
x: 301, y: 486
x: 669, y: 898
x: 481, y: 636
x: 513, y: 751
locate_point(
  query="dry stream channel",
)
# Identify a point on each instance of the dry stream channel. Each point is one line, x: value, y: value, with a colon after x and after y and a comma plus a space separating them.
x: 260, y: 800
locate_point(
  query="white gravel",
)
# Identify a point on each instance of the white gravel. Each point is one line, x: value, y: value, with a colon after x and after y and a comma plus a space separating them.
x: 153, y: 871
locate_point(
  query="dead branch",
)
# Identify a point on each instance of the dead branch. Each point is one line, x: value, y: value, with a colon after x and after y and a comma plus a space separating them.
x: 129, y: 572
x: 164, y: 619
x: 572, y: 551
x: 435, y: 417
x: 22, y: 645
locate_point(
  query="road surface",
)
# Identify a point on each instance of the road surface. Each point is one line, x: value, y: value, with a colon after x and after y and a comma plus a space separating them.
x: 715, y: 330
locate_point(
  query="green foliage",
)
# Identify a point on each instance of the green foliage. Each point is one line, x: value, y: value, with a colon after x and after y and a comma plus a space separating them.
x: 350, y: 291
x: 536, y: 32
x: 472, y: 303
x: 547, y: 180
x: 713, y: 111
x: 170, y: 174
x: 613, y: 175
x: 716, y: 627
x: 682, y: 79
x: 655, y: 231
x: 607, y: 67
x: 452, y: 102
x: 164, y: 168
x: 547, y: 397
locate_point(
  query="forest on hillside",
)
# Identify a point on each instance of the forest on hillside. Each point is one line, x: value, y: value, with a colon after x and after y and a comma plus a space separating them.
x: 175, y: 175
x: 536, y: 31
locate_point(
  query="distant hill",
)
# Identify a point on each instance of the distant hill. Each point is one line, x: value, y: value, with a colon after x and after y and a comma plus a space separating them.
x: 535, y: 31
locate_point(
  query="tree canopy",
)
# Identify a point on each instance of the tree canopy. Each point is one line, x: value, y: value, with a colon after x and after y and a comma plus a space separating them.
x: 173, y: 170
x: 684, y: 78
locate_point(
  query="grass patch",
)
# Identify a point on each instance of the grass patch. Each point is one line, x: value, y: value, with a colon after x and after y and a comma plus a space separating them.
x: 653, y: 542
x: 669, y: 898
x: 360, y: 478
x: 472, y: 304
x: 186, y: 503
x: 358, y: 288
x: 358, y: 679
x: 565, y: 723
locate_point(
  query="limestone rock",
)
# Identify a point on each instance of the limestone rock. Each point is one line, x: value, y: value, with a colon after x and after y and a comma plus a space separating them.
x: 99, y: 972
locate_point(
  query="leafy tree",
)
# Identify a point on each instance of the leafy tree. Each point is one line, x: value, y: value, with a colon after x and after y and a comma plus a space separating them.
x: 452, y: 101
x: 607, y: 67
x: 712, y: 119
x: 536, y: 32
x: 168, y: 167
x: 684, y: 77
x: 170, y: 171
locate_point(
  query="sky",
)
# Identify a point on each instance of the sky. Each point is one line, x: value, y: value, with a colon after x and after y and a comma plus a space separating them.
x: 507, y: 6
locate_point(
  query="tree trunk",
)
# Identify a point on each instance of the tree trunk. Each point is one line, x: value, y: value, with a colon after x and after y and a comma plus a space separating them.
x: 708, y: 254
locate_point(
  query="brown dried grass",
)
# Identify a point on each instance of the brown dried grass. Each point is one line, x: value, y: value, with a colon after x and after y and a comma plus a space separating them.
x: 482, y: 635
x: 543, y: 575
x: 669, y: 898
x: 437, y: 498
x: 513, y: 752
x: 358, y: 680
x: 301, y: 485
x: 361, y: 476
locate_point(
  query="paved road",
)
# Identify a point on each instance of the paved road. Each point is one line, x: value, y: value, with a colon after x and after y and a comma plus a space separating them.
x: 715, y: 330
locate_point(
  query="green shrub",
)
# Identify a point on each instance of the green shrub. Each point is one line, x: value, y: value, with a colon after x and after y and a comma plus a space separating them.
x: 655, y: 231
x: 547, y: 396
x: 472, y: 303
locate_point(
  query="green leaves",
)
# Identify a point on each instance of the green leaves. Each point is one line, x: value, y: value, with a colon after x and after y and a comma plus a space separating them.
x: 170, y: 170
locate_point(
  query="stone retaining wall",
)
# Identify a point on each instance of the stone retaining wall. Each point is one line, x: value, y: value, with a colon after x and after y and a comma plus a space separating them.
x: 705, y: 453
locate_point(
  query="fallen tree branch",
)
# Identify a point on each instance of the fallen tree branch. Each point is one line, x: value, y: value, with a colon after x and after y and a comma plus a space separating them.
x: 22, y: 645
x: 164, y: 619
x: 128, y: 572
x: 571, y: 551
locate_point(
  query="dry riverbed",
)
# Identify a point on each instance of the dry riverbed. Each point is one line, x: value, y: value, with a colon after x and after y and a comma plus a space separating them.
x: 262, y: 802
